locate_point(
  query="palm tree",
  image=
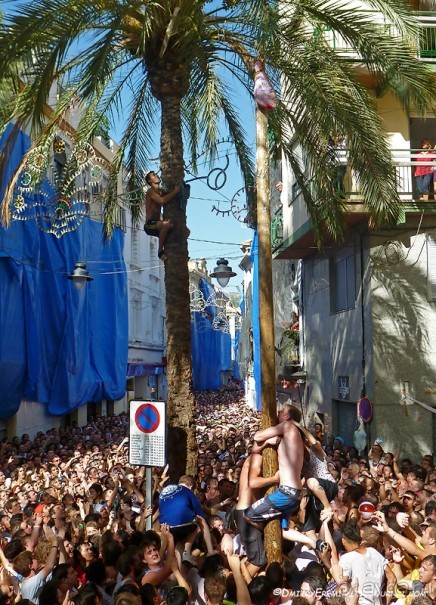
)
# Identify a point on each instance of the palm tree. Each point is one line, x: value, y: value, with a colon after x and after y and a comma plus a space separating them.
x: 177, y: 63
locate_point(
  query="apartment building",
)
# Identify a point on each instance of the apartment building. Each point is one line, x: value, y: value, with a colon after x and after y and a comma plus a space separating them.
x: 368, y: 306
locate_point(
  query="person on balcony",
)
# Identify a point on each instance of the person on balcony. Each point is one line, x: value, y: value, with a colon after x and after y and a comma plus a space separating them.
x: 423, y: 172
x: 337, y: 148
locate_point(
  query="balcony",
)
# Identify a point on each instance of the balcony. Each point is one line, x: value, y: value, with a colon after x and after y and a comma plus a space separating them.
x: 426, y: 43
x: 291, y: 230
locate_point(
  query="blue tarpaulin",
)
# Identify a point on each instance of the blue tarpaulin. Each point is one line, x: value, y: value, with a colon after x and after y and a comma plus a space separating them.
x: 58, y: 345
x: 254, y: 254
x: 211, y: 349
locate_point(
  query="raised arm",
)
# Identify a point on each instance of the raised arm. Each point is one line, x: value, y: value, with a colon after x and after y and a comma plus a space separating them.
x: 242, y: 594
x: 52, y: 555
x: 163, y: 199
x: 272, y: 431
x: 399, y: 539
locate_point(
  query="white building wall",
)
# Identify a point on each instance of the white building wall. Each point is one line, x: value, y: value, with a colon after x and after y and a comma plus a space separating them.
x: 146, y: 296
x: 404, y: 343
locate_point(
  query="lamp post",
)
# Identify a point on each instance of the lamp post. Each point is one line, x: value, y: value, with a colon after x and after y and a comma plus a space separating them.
x: 79, y: 276
x: 222, y: 272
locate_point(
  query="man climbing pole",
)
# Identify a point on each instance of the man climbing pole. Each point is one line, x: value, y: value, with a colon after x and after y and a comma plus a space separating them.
x: 155, y: 200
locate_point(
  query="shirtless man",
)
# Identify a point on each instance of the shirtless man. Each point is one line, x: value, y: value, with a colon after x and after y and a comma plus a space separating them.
x: 250, y: 481
x: 286, y: 499
x: 154, y: 202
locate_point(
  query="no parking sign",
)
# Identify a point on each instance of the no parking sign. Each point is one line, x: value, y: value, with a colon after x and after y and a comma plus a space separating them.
x: 147, y: 433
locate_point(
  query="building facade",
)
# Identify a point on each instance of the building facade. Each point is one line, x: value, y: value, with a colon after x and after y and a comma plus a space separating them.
x: 368, y: 305
x: 144, y: 296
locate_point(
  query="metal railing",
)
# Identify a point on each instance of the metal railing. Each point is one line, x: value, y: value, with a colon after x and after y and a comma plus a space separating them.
x: 427, y: 36
x: 405, y: 162
x: 426, y: 44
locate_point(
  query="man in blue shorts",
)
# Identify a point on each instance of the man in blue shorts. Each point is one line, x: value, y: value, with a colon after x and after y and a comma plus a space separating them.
x: 286, y: 499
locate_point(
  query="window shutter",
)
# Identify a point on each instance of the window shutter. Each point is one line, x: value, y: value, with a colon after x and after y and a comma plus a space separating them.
x: 431, y: 265
x: 341, y: 285
x: 351, y: 281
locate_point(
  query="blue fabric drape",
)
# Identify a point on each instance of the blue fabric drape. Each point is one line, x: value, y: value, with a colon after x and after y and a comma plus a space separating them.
x: 60, y: 346
x: 254, y: 254
x: 211, y: 349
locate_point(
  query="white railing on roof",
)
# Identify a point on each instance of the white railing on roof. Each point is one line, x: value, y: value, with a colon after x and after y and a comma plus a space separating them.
x: 426, y: 44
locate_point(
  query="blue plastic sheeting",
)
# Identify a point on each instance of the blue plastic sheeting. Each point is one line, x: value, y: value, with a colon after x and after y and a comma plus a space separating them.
x: 235, y: 349
x: 254, y: 255
x: 211, y: 349
x: 143, y: 369
x: 58, y: 345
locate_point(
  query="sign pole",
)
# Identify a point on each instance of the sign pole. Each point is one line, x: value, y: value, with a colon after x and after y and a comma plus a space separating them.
x: 147, y: 442
x: 148, y: 495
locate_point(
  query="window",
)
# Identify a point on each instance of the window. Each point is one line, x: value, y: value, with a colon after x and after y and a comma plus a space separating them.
x: 343, y: 283
x: 431, y: 265
x: 137, y: 307
x: 135, y: 247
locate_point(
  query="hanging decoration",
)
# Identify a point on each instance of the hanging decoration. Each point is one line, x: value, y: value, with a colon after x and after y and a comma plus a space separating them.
x: 222, y: 306
x: 264, y: 93
x: 360, y: 437
x: 57, y: 185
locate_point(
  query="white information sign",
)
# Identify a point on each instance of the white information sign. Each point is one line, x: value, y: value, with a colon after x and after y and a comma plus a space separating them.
x: 147, y: 433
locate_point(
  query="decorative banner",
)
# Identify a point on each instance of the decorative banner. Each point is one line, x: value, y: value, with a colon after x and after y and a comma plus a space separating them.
x: 74, y: 174
x: 218, y: 301
x: 365, y: 409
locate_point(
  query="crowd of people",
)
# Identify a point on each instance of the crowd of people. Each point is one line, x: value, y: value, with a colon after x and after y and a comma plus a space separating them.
x: 355, y: 529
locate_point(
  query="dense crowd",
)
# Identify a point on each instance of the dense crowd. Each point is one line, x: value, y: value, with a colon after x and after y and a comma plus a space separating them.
x: 361, y: 530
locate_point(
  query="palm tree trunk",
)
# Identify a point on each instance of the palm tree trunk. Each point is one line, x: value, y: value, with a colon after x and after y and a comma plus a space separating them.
x: 273, y: 538
x: 180, y: 405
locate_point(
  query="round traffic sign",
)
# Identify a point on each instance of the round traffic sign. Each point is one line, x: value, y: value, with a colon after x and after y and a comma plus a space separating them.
x: 147, y: 418
x: 365, y: 409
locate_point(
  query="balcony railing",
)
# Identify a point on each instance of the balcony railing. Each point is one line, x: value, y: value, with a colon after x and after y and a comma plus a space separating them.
x: 427, y: 36
x: 405, y: 162
x: 426, y: 49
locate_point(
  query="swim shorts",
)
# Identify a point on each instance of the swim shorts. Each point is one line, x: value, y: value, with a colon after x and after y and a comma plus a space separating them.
x: 150, y: 228
x: 281, y: 503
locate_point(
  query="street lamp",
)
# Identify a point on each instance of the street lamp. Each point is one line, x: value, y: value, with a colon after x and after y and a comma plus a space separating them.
x: 223, y: 272
x: 79, y: 276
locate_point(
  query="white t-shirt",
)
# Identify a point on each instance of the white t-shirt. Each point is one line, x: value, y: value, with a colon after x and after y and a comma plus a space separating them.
x: 369, y: 570
x: 31, y: 586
